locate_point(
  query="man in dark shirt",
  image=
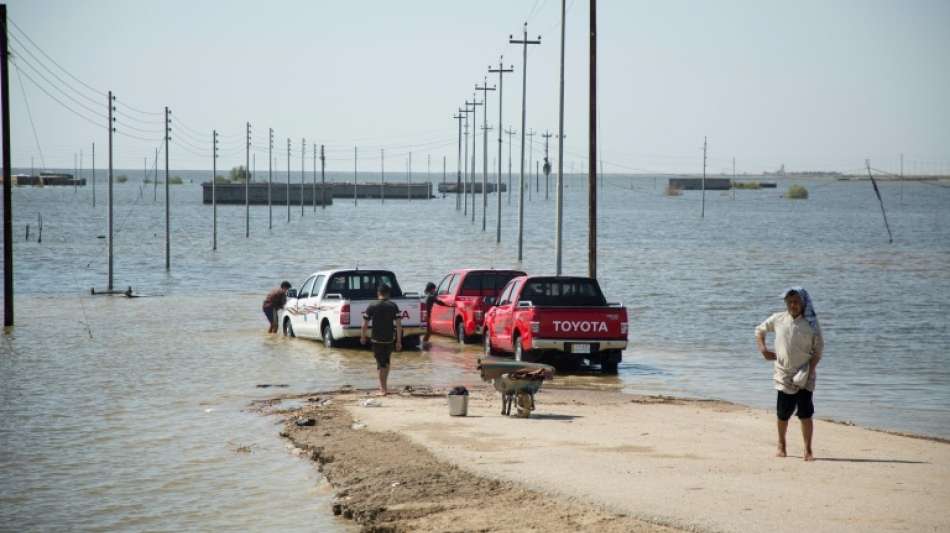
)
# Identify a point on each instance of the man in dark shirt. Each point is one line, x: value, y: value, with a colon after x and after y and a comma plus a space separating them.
x: 275, y: 300
x: 387, y: 332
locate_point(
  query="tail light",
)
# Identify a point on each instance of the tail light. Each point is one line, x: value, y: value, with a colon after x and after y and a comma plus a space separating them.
x: 623, y: 328
x: 423, y: 312
x: 535, y: 327
x: 345, y: 315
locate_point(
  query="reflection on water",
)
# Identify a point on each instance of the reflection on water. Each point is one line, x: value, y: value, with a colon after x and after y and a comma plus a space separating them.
x: 128, y: 414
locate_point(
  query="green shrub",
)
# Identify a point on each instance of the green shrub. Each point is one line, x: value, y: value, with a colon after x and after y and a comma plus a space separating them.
x: 175, y: 180
x: 122, y: 178
x: 751, y: 185
x: 238, y: 174
x: 221, y: 179
x: 797, y: 192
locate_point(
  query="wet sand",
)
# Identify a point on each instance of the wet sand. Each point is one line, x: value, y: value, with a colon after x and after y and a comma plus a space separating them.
x: 606, y: 461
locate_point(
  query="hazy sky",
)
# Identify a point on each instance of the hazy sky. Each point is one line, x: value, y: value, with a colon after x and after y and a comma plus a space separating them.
x: 811, y: 84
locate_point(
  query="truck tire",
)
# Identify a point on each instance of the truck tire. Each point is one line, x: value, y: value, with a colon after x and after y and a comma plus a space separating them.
x: 412, y: 342
x: 288, y: 328
x: 460, y: 332
x: 328, y: 340
x: 521, y: 354
x: 609, y: 362
x: 489, y: 351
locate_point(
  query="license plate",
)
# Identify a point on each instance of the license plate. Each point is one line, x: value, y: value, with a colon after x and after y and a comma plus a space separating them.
x: 580, y: 348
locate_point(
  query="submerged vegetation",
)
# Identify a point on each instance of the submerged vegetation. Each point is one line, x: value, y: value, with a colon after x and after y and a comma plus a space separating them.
x: 797, y: 192
x: 121, y: 178
x: 752, y: 185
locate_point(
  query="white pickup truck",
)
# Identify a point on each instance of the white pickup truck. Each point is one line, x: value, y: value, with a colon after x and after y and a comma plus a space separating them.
x: 329, y: 306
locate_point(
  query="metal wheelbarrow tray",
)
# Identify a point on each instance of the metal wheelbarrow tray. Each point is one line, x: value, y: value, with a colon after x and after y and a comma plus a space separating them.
x: 515, y: 390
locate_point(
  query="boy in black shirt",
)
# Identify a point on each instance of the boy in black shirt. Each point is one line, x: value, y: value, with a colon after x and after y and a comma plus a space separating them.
x: 387, y: 332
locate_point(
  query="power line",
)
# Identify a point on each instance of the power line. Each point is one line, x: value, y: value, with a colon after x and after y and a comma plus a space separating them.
x: 58, y: 88
x: 91, y: 88
x: 29, y: 114
x: 57, y: 100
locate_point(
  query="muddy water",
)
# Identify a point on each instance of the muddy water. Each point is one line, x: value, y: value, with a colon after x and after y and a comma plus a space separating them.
x: 128, y: 414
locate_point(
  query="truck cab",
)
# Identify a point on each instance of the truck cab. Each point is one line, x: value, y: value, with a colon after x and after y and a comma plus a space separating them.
x: 462, y: 299
x: 565, y: 317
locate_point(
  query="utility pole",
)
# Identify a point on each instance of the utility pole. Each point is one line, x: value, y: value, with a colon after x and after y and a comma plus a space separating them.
x: 110, y: 236
x: 313, y: 191
x: 524, y: 42
x: 168, y: 232
x: 702, y: 212
x: 287, y: 195
x: 355, y: 202
x: 409, y: 179
x: 94, y: 174
x: 247, y: 182
x: 155, y: 180
x: 733, y: 177
x: 7, y: 177
x: 303, y: 159
x: 485, y: 88
x: 559, y: 208
x: 270, y: 177
x: 501, y: 70
x: 382, y: 176
x: 531, y: 135
x: 547, y: 163
x: 592, y: 149
x: 458, y: 168
x: 214, y: 192
x: 323, y: 180
x: 474, y: 140
x: 443, y: 172
x: 509, y: 133
x: 466, y: 180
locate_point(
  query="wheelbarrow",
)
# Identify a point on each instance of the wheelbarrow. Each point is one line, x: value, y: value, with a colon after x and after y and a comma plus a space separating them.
x: 516, y: 381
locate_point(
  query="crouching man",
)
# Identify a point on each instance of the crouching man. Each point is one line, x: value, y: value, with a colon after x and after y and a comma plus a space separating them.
x: 798, y: 349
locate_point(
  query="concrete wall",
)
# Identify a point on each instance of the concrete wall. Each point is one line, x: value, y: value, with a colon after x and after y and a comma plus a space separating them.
x: 695, y: 184
x: 451, y: 187
x: 233, y: 193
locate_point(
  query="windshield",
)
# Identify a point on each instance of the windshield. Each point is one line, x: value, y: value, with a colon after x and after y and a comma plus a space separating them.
x: 362, y: 284
x: 574, y: 292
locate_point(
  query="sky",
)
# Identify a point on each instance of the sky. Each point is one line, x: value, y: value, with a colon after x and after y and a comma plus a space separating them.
x: 809, y: 84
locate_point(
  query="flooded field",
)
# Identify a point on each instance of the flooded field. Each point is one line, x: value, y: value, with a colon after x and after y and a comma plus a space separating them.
x: 129, y: 413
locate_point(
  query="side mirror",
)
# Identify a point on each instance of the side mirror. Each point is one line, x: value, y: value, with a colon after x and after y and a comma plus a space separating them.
x: 291, y: 293
x: 525, y: 303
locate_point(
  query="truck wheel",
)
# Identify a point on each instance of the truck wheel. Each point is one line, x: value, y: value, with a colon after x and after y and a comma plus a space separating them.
x: 609, y: 368
x: 460, y: 332
x: 288, y: 328
x: 520, y: 353
x: 328, y: 340
x: 489, y: 351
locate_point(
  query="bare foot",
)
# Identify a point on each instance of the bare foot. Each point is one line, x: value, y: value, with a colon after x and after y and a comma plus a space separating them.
x: 809, y: 457
x: 780, y: 452
x: 381, y: 393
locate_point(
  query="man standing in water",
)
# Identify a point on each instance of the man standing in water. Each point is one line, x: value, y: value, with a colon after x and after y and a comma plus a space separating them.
x: 429, y: 296
x: 275, y: 301
x: 387, y: 332
x: 798, y: 348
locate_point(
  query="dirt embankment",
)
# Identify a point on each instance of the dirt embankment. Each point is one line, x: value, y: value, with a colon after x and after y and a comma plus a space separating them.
x: 386, y: 483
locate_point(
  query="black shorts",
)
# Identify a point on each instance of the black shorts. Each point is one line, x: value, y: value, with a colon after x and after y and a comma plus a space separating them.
x: 787, y: 404
x: 269, y: 313
x: 382, y: 351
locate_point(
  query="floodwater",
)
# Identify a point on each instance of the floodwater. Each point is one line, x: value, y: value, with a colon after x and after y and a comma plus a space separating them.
x: 129, y: 414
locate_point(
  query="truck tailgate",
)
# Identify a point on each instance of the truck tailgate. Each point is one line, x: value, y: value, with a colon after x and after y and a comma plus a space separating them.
x: 581, y: 322
x: 409, y: 307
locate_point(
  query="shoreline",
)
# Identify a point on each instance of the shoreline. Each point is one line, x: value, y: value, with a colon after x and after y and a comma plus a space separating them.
x: 607, y: 460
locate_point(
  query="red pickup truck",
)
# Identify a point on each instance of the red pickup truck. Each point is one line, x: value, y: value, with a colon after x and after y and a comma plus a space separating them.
x: 462, y: 299
x: 557, y: 315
